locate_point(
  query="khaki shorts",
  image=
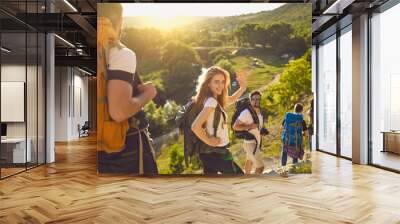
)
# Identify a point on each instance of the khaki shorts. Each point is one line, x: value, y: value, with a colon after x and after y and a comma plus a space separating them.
x: 256, y: 158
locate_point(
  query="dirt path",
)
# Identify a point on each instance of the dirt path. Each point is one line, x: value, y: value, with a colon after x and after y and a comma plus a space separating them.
x: 275, y: 80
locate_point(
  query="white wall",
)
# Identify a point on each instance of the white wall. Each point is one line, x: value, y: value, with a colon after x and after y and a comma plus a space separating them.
x: 12, y: 73
x: 61, y: 103
x: 16, y: 73
x: 33, y: 127
x: 71, y: 93
x: 80, y: 112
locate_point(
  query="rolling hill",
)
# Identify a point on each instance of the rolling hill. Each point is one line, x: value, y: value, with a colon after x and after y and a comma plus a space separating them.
x: 298, y: 14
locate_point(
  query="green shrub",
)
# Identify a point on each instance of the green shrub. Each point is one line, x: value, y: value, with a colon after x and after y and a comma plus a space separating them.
x: 176, y: 159
x: 218, y: 54
x: 301, y: 167
x: 161, y: 117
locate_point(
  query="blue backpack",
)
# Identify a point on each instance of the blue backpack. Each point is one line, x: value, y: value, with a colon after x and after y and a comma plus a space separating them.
x: 292, y: 135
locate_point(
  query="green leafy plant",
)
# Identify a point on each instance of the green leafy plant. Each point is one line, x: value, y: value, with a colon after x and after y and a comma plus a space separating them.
x: 176, y: 159
x: 301, y: 167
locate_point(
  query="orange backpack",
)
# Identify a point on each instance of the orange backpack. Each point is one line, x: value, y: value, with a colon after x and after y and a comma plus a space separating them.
x: 111, y: 135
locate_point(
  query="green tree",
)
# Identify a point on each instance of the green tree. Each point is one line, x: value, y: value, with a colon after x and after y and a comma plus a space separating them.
x: 161, y: 117
x: 279, y: 35
x: 176, y: 159
x: 238, y: 37
x: 210, y: 43
x: 252, y: 34
x: 218, y: 54
x: 170, y: 109
x: 259, y: 35
x: 139, y: 41
x: 245, y: 33
x: 297, y: 46
x: 184, y: 66
x: 227, y: 65
x: 157, y: 120
x: 224, y: 37
x: 295, y: 82
x: 174, y: 51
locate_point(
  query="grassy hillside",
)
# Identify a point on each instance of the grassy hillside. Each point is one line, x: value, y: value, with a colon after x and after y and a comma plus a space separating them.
x: 298, y: 14
x: 289, y: 13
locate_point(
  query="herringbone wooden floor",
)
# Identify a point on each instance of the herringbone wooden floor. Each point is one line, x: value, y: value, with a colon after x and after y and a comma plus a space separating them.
x: 70, y: 191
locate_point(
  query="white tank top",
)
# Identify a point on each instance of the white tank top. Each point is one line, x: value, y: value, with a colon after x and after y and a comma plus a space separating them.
x: 222, y: 130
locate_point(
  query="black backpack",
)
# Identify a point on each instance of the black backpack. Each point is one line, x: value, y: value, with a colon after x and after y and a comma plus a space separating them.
x: 240, y: 106
x: 184, y: 119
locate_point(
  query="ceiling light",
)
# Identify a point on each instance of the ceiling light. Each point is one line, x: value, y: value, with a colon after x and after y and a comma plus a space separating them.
x: 337, y: 7
x: 65, y: 41
x: 5, y: 50
x: 70, y: 5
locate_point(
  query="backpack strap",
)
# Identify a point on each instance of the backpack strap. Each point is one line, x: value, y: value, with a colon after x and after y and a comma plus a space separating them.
x: 285, y: 127
x: 217, y: 119
x: 103, y: 56
x: 253, y: 114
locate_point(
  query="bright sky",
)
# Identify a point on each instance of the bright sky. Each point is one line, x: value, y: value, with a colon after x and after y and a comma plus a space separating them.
x: 195, y: 9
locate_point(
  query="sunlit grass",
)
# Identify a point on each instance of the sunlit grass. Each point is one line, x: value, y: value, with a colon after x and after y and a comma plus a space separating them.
x: 259, y: 76
x: 301, y: 167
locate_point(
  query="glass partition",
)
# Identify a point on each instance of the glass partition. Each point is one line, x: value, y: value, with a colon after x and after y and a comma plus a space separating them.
x: 22, y: 88
x: 385, y: 89
x: 327, y: 95
x: 14, y: 151
x: 346, y: 92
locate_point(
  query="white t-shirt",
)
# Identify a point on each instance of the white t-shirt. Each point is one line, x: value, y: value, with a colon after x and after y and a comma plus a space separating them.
x: 222, y: 130
x: 246, y: 118
x: 123, y: 59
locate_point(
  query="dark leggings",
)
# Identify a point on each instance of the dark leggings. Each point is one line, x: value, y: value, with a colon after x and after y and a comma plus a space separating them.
x: 127, y: 160
x: 217, y: 162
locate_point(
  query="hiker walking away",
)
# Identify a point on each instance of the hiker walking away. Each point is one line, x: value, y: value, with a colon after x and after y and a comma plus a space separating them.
x: 293, y: 126
x: 210, y: 125
x: 123, y: 141
x: 248, y: 125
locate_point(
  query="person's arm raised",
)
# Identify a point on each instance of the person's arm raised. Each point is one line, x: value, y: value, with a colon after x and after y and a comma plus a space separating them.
x: 242, y: 80
x: 199, y: 131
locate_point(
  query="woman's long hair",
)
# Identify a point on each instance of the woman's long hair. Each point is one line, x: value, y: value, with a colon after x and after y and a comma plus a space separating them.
x: 204, y: 90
